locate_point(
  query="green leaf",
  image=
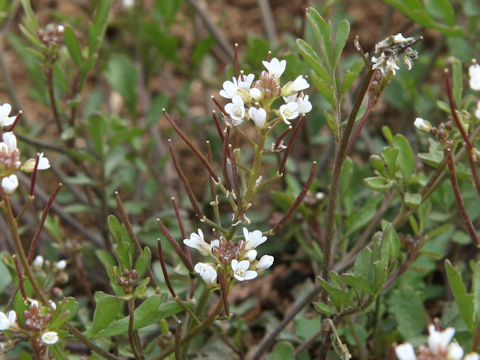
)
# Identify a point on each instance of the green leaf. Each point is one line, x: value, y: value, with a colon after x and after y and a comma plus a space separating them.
x: 122, y: 76
x: 97, y: 126
x: 351, y: 74
x: 378, y: 183
x: 408, y: 310
x: 149, y: 312
x: 143, y: 262
x: 325, y: 89
x: 322, y: 31
x: 341, y: 37
x: 96, y: 30
x: 314, y: 60
x: 340, y: 298
x: 465, y: 301
x: 66, y: 310
x: 283, y: 351
x: 323, y: 308
x: 406, y: 158
x: 73, y: 46
x: 441, y: 9
x: 476, y: 290
x: 358, y: 283
x: 107, y: 310
x: 201, y: 49
x: 412, y: 200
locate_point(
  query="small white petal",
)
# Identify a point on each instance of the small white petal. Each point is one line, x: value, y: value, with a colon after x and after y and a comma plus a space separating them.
x: 10, y: 139
x: 43, y: 163
x: 229, y: 89
x: 265, y: 262
x: 251, y: 255
x: 422, y: 125
x: 255, y: 93
x: 207, y: 273
x: 472, y: 356
x: 6, y: 120
x: 50, y: 337
x: 438, y: 340
x: 405, y: 352
x: 4, y: 322
x: 258, y: 116
x: 38, y: 262
x: 454, y: 352
x: 52, y: 304
x: 477, y: 110
x: 275, y: 67
x: 10, y: 184
x: 289, y: 112
x: 253, y: 239
x: 196, y: 242
x: 61, y: 265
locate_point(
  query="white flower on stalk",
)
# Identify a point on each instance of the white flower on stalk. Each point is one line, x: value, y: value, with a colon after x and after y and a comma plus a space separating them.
x: 6, y: 120
x: 472, y: 356
x: 259, y: 116
x: 38, y: 262
x: 231, y: 88
x: 196, y: 241
x: 295, y: 86
x: 10, y: 140
x: 405, y: 352
x: 50, y: 337
x: 253, y: 239
x: 265, y: 262
x: 474, y: 72
x: 422, y: 125
x: 275, y: 67
x: 256, y: 93
x: 288, y: 112
x: 61, y: 265
x: 207, y: 272
x: 251, y: 255
x: 8, y: 321
x: 240, y: 270
x: 454, y: 351
x: 9, y: 184
x: 236, y: 110
x: 43, y: 164
x: 439, y: 340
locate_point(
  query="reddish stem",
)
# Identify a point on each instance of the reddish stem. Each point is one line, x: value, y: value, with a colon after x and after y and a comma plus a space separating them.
x: 282, y: 136
x: 34, y: 176
x: 15, y: 122
x: 175, y: 245
x: 358, y: 129
x: 164, y: 268
x: 217, y: 125
x: 458, y: 197
x: 33, y: 246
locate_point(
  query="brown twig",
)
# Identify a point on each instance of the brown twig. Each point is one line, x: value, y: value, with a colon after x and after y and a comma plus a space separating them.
x: 20, y: 278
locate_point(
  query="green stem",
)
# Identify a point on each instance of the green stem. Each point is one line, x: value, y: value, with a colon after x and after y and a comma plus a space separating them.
x: 255, y: 172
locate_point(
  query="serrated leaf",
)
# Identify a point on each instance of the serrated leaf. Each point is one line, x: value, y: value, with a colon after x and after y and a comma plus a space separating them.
x: 151, y: 311
x: 465, y: 301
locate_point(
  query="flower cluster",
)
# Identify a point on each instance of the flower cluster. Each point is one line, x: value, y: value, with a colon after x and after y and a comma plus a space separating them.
x: 474, y: 72
x: 253, y: 99
x: 10, y: 155
x: 391, y: 50
x: 439, y: 346
x: 236, y: 259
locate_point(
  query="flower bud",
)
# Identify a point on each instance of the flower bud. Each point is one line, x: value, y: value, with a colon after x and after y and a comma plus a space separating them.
x: 422, y: 125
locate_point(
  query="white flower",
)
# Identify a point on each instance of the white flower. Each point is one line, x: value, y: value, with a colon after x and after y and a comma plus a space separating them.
x: 7, y: 322
x: 474, y: 72
x: 196, y: 241
x: 251, y: 255
x: 304, y: 106
x: 236, y: 110
x: 10, y: 140
x: 454, y: 352
x: 229, y: 89
x: 50, y: 337
x: 61, y: 265
x: 241, y: 272
x: 477, y: 110
x: 399, y: 38
x: 245, y: 81
x: 295, y: 86
x: 52, y: 304
x: 405, y: 352
x: 422, y: 125
x: 275, y: 67
x: 289, y: 112
x: 38, y: 262
x: 32, y: 303
x: 256, y: 93
x: 128, y: 3
x: 6, y: 120
x: 207, y: 273
x: 265, y: 262
x: 43, y: 163
x: 253, y: 239
x: 472, y: 356
x: 9, y: 184
x: 258, y: 116
x: 439, y: 340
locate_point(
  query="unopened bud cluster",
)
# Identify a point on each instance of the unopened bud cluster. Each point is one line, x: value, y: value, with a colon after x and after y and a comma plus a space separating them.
x: 252, y: 100
x: 52, y: 35
x: 390, y: 51
x: 236, y: 259
x: 127, y: 278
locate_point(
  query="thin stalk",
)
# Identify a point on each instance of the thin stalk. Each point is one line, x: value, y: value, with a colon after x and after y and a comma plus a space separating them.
x: 359, y: 128
x: 175, y: 245
x: 178, y: 337
x: 213, y: 191
x: 34, y: 243
x: 282, y: 136
x: 458, y: 197
x: 289, y: 145
x: 337, y: 171
x: 20, y: 278
x: 51, y: 95
x: 131, y: 332
x: 257, y: 162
